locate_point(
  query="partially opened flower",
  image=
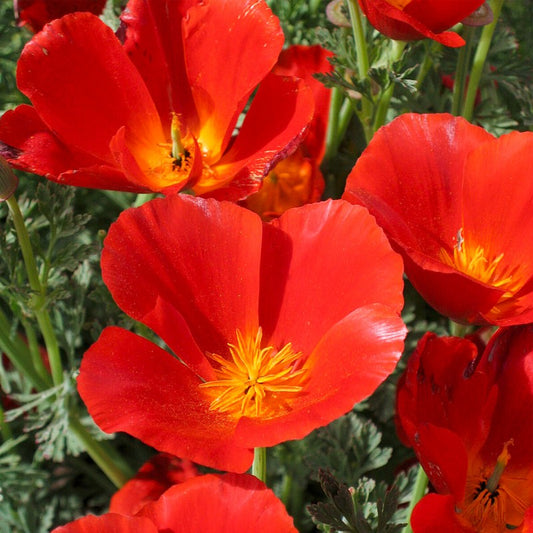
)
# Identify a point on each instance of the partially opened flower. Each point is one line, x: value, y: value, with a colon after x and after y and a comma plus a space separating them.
x: 297, y: 179
x: 409, y: 20
x: 273, y: 329
x: 154, y: 477
x: 158, y: 112
x: 36, y: 13
x: 469, y: 418
x: 227, y: 503
x: 456, y: 203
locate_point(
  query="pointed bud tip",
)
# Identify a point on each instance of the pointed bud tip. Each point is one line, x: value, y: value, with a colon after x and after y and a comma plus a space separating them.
x: 8, y: 180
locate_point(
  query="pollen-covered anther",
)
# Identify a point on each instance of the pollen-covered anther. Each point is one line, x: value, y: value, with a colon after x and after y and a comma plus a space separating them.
x: 255, y: 381
x: 476, y: 262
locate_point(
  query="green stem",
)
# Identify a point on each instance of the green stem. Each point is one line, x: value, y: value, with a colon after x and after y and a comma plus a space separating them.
x: 259, y: 469
x: 463, y: 61
x: 5, y: 430
x: 121, y: 199
x: 363, y: 63
x: 35, y: 352
x: 421, y: 484
x: 286, y: 490
x: 339, y: 119
x: 479, y: 60
x: 39, y: 306
x: 114, y: 469
x: 384, y: 102
x: 427, y: 63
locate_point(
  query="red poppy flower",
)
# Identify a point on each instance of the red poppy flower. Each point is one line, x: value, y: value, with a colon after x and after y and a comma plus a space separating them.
x: 151, y: 481
x: 297, y: 180
x: 36, y: 13
x: 469, y: 418
x: 158, y: 112
x: 456, y: 203
x: 408, y: 20
x: 227, y: 503
x: 274, y: 329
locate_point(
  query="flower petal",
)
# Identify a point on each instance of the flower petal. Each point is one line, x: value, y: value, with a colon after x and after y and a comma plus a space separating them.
x: 436, y: 514
x: 190, y: 258
x: 109, y: 522
x: 220, y: 504
x: 129, y: 384
x: 331, y: 260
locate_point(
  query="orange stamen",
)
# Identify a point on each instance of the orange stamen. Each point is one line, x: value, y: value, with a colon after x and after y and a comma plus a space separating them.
x: 255, y: 382
x: 400, y: 4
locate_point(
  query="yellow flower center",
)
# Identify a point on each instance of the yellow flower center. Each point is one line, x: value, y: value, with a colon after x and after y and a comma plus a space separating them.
x: 474, y: 261
x: 256, y: 382
x: 490, y: 504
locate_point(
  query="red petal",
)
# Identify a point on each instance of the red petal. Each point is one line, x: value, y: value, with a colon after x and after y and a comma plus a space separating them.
x: 346, y: 366
x: 153, y: 478
x: 130, y: 384
x: 436, y: 514
x: 83, y: 85
x: 187, y: 257
x: 107, y: 523
x: 263, y: 139
x: 220, y: 504
x: 330, y: 259
x: 229, y: 48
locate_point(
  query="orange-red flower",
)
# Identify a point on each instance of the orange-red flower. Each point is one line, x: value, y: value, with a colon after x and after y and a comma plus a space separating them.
x: 229, y: 503
x: 297, y: 179
x: 158, y: 111
x: 469, y: 418
x: 36, y: 13
x: 273, y: 329
x: 154, y: 477
x: 456, y: 203
x: 409, y: 20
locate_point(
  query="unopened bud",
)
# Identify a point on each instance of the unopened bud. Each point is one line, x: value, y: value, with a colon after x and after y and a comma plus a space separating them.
x: 8, y: 180
x: 480, y: 17
x: 335, y: 11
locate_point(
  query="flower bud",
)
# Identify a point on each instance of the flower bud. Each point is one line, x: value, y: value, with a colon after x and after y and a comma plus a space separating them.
x: 8, y: 180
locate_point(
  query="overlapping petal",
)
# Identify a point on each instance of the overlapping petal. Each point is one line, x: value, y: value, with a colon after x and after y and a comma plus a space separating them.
x: 453, y: 200
x: 415, y: 19
x: 215, y: 275
x: 158, y: 111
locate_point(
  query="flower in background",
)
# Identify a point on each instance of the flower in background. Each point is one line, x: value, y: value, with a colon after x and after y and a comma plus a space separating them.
x: 34, y: 14
x: 158, y: 111
x: 469, y: 418
x: 456, y: 203
x: 273, y: 329
x: 227, y: 503
x: 408, y: 20
x: 297, y: 180
x: 154, y: 477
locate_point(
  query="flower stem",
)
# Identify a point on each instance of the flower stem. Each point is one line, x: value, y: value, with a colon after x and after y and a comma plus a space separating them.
x: 363, y: 63
x: 384, y: 101
x: 259, y: 469
x: 479, y: 60
x: 39, y: 304
x: 421, y: 484
x: 463, y: 61
x: 114, y: 469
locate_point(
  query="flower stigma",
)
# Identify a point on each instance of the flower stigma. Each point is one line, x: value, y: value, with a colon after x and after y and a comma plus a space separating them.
x: 256, y: 382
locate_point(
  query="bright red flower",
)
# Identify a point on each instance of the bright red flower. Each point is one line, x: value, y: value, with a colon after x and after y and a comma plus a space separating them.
x: 36, y: 13
x: 469, y: 418
x: 456, y: 203
x: 297, y: 179
x: 279, y: 328
x: 151, y: 481
x: 227, y: 503
x: 408, y: 20
x: 158, y: 112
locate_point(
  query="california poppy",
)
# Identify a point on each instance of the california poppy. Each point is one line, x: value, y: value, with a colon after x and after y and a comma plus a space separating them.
x: 155, y: 476
x: 297, y: 179
x: 273, y: 329
x: 157, y: 112
x: 456, y: 203
x: 469, y: 417
x: 230, y: 503
x: 36, y: 13
x: 408, y: 20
